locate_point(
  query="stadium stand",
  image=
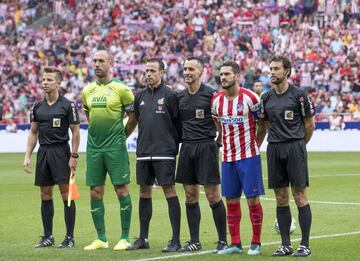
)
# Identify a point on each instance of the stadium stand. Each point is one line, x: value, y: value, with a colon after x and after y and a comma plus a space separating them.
x: 322, y: 37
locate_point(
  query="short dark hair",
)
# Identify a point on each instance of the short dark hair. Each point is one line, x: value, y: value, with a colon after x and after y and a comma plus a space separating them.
x: 257, y: 81
x: 234, y: 66
x: 158, y: 61
x: 284, y: 60
x: 198, y: 59
x: 51, y: 69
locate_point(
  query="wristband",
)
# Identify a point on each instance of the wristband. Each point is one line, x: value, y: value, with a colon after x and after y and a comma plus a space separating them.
x: 74, y: 155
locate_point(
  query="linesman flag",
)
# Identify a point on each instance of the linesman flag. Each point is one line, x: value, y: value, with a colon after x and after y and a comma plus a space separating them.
x: 73, y: 189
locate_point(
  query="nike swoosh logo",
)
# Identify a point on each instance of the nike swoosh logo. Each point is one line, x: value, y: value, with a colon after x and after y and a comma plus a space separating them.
x: 125, y: 208
x: 95, y: 209
x: 125, y: 175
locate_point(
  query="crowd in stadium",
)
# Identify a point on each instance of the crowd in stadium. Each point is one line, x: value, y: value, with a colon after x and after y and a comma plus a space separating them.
x: 322, y: 38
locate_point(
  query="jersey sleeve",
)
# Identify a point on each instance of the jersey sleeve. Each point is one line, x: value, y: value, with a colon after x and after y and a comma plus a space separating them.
x: 214, y: 108
x: 127, y: 98
x: 175, y: 113
x: 84, y: 100
x: 253, y: 101
x: 255, y: 104
x: 136, y: 105
x: 33, y: 112
x: 263, y: 114
x: 72, y: 114
x: 306, y: 105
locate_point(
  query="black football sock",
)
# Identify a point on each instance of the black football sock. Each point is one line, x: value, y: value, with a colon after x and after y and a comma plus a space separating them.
x: 219, y: 216
x: 47, y: 214
x: 283, y: 215
x: 174, y: 215
x: 305, y: 224
x: 193, y: 217
x: 145, y: 213
x: 69, y: 213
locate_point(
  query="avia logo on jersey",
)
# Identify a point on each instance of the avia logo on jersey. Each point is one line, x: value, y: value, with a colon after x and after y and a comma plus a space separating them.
x: 232, y: 120
x: 98, y: 102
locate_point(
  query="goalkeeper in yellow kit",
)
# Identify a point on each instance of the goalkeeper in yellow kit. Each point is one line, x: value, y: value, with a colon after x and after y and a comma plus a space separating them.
x: 105, y: 102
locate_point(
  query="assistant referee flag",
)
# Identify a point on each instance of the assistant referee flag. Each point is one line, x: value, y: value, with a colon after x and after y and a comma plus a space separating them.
x: 73, y: 189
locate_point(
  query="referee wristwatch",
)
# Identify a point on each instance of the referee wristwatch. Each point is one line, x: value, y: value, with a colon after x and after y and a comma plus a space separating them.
x: 74, y: 155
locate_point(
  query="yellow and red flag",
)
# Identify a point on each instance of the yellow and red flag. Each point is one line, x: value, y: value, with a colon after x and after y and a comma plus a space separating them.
x: 73, y: 189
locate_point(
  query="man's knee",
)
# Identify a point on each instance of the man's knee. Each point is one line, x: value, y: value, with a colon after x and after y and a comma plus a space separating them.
x: 46, y: 193
x: 252, y: 201
x: 282, y: 197
x: 169, y: 191
x: 191, y: 193
x: 121, y: 190
x: 64, y: 190
x: 145, y: 191
x: 300, y: 196
x: 97, y: 192
x: 212, y: 193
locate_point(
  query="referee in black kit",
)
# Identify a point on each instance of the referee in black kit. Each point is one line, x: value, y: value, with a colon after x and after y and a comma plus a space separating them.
x: 157, y: 112
x: 287, y: 113
x: 198, y: 159
x: 51, y: 119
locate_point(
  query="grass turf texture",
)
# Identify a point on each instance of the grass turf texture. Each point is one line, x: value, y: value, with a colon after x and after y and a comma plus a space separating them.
x: 21, y: 223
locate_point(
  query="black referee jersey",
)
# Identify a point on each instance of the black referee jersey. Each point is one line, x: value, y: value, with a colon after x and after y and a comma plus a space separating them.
x: 54, y: 120
x: 195, y: 114
x: 285, y: 113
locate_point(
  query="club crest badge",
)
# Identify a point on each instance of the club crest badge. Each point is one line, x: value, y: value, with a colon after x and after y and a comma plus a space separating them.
x: 239, y: 107
x: 161, y: 101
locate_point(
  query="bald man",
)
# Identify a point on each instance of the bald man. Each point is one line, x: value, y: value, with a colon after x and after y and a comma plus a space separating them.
x: 105, y: 101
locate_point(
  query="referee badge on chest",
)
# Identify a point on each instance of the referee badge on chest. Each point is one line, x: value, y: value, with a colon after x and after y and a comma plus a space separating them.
x: 56, y: 122
x: 199, y: 113
x: 289, y: 115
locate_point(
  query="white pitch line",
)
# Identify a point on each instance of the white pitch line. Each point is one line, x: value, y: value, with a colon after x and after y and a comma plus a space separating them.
x: 320, y: 202
x: 311, y: 201
x: 263, y: 244
x: 330, y: 176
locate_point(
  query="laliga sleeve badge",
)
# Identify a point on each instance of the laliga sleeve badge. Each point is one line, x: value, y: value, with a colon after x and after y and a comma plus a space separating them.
x: 289, y: 115
x: 56, y: 122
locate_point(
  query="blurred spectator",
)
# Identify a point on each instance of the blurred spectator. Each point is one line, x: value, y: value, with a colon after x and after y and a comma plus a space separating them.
x: 258, y: 88
x: 336, y: 121
x: 322, y: 39
x: 11, y: 126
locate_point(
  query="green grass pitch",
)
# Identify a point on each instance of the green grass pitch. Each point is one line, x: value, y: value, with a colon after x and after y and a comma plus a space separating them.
x: 334, y: 193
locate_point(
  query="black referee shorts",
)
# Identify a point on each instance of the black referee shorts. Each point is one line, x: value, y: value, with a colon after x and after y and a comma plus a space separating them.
x: 162, y: 170
x: 52, y: 165
x: 287, y: 163
x: 198, y: 164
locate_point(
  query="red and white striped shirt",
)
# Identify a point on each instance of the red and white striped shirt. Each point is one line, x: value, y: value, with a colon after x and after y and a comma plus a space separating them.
x: 237, y: 118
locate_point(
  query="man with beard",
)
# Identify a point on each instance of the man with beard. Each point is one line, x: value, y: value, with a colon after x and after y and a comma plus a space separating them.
x: 157, y: 112
x: 105, y: 101
x: 287, y: 113
x: 235, y: 112
x: 198, y: 160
